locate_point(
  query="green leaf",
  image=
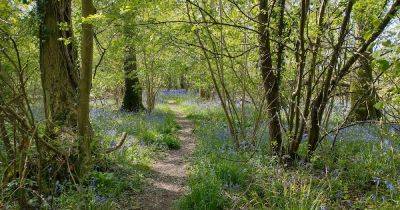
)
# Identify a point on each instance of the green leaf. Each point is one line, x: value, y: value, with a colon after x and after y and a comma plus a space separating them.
x: 380, y: 105
x: 383, y: 64
x: 387, y: 43
x: 367, y: 35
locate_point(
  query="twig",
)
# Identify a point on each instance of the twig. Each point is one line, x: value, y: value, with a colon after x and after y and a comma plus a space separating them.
x: 121, y: 142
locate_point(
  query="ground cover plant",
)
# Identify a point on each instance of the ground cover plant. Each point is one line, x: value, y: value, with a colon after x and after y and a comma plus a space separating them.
x: 199, y: 104
x: 359, y: 172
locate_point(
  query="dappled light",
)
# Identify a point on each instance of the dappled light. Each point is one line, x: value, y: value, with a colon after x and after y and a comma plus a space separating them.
x: 199, y: 104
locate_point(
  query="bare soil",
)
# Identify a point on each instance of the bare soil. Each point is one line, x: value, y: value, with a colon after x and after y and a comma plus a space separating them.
x: 167, y: 181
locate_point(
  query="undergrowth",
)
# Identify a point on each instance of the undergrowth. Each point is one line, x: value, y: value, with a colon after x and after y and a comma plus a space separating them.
x: 355, y: 174
x: 117, y: 178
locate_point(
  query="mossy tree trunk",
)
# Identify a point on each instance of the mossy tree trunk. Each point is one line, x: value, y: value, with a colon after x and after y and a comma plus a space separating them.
x: 5, y: 139
x: 362, y: 89
x: 58, y: 62
x: 132, y: 101
x: 85, y: 83
x: 3, y: 130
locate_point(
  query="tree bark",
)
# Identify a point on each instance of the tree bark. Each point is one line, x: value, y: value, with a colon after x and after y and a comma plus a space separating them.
x: 6, y: 139
x: 182, y: 82
x: 3, y: 130
x: 133, y: 91
x: 319, y: 104
x: 295, y: 100
x: 313, y: 66
x: 363, y: 93
x: 85, y: 84
x: 58, y: 62
x: 270, y: 81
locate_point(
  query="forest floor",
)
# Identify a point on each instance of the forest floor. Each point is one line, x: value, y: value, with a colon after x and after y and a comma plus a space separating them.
x: 167, y: 180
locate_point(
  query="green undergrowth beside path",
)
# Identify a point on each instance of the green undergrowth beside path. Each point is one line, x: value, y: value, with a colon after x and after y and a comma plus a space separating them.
x: 357, y: 174
x: 118, y: 178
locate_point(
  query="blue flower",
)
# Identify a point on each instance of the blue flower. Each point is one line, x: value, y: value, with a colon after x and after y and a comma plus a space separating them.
x: 389, y: 185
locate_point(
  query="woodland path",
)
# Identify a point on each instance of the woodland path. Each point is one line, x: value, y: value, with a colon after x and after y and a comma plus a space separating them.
x: 167, y: 181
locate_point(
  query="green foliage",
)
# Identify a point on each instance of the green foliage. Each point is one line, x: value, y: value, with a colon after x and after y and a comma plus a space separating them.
x: 149, y: 136
x: 356, y: 174
x: 107, y: 183
x: 121, y: 173
x: 171, y: 141
x: 232, y: 174
x: 85, y: 199
x: 170, y: 126
x: 205, y: 191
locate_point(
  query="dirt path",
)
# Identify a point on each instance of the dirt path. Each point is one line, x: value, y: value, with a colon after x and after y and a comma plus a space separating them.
x: 168, y: 179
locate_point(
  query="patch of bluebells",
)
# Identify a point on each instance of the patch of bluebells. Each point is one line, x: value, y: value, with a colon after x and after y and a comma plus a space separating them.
x: 209, y: 104
x: 175, y: 92
x: 155, y: 118
x: 202, y: 105
x: 389, y: 185
x: 360, y: 132
x: 100, y: 199
x: 223, y: 135
x: 368, y: 133
x: 38, y: 112
x: 100, y: 113
x: 111, y: 132
x: 166, y: 95
x: 112, y: 123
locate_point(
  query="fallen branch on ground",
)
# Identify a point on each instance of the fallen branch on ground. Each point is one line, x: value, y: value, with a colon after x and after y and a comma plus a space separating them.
x: 121, y: 142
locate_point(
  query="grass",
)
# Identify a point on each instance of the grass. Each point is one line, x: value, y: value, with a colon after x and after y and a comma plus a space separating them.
x: 117, y: 178
x: 357, y: 174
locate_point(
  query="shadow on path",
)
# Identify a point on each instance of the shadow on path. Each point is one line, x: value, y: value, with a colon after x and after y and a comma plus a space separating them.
x: 167, y: 179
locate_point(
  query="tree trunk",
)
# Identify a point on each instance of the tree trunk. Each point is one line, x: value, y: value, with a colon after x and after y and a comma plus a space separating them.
x: 58, y: 62
x: 270, y: 81
x: 205, y: 93
x: 318, y: 107
x: 313, y: 66
x: 182, y: 82
x: 363, y: 93
x: 133, y: 91
x: 3, y: 130
x: 85, y: 84
x: 6, y: 139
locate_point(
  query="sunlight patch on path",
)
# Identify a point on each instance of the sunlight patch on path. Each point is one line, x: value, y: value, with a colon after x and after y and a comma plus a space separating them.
x: 168, y: 176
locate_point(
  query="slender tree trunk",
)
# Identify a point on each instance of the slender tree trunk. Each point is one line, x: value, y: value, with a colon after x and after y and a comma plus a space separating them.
x: 270, y: 81
x: 58, y: 62
x: 85, y: 83
x: 315, y: 49
x: 295, y: 101
x: 132, y: 101
x: 182, y: 82
x: 319, y: 105
x: 6, y: 139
